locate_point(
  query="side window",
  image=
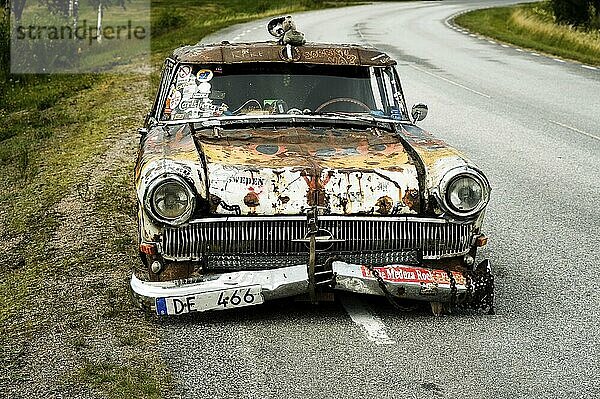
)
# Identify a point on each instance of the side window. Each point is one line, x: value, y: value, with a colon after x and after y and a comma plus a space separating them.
x: 163, y: 89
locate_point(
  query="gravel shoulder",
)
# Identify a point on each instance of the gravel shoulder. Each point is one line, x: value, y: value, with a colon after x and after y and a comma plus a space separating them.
x: 77, y: 333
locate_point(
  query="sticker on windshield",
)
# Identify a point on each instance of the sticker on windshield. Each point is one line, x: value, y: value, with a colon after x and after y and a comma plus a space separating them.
x: 189, y: 91
x: 184, y: 71
x: 204, y: 87
x: 175, y: 99
x: 204, y: 75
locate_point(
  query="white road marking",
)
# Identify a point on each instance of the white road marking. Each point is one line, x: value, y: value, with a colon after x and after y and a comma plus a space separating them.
x: 520, y: 50
x: 505, y: 45
x: 536, y: 54
x: 363, y: 36
x: 589, y: 67
x: 451, y: 82
x: 558, y: 60
x: 491, y: 41
x: 372, y: 324
x: 576, y: 130
x: 472, y: 35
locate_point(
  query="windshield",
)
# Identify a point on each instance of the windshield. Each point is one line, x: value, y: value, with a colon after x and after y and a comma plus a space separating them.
x: 203, y: 91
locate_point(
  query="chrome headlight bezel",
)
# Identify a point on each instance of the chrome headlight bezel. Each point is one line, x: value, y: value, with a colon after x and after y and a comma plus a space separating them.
x: 149, y: 199
x: 442, y: 191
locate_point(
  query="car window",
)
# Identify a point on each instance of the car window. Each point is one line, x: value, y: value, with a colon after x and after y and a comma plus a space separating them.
x: 200, y: 91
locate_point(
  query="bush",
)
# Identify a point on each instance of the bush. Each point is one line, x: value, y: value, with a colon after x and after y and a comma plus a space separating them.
x: 585, y: 13
x: 4, y: 46
x: 167, y: 19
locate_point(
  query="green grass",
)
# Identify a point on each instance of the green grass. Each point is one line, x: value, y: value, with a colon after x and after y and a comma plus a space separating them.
x: 119, y: 381
x: 29, y: 193
x: 532, y: 26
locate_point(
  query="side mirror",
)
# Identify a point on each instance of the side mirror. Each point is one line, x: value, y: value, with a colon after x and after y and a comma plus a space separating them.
x: 419, y: 112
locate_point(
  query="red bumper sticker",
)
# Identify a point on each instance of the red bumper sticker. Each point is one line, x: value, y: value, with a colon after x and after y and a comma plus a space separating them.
x: 406, y: 274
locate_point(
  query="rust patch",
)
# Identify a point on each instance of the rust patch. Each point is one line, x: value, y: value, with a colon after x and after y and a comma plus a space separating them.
x: 411, y: 199
x: 316, y: 193
x: 251, y: 200
x: 214, y: 203
x: 384, y: 205
x: 276, y: 148
x: 175, y: 271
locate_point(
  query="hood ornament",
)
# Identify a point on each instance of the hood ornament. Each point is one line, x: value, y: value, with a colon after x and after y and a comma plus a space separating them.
x: 284, y: 29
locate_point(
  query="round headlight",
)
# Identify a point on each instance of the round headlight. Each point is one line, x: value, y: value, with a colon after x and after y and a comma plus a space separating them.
x: 170, y: 200
x: 464, y: 193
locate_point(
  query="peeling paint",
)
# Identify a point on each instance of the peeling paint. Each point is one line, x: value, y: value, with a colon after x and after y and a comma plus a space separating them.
x: 292, y: 169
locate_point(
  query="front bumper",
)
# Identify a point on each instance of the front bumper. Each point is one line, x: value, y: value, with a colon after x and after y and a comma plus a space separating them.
x: 404, y: 282
x: 274, y: 283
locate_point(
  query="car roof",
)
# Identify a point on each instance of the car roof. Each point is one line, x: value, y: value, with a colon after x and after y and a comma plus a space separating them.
x: 309, y: 53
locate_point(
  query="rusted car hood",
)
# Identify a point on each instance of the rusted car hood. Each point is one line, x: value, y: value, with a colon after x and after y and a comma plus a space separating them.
x: 286, y: 170
x: 275, y: 171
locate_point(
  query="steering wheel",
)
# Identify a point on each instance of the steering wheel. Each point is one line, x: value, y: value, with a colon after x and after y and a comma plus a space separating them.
x: 342, y: 100
x: 294, y: 111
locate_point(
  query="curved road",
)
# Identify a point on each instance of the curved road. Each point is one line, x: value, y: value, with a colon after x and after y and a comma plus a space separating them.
x: 533, y: 124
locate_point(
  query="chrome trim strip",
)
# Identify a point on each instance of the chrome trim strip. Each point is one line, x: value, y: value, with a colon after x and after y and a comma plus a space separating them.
x: 325, y: 217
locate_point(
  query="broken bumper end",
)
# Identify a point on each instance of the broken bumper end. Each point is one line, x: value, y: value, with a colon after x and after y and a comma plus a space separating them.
x: 409, y: 282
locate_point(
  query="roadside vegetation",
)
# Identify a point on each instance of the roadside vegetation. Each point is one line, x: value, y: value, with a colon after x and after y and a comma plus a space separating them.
x: 68, y: 216
x: 551, y: 27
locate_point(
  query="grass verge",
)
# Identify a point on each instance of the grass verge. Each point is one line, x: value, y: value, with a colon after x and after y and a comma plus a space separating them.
x: 532, y: 26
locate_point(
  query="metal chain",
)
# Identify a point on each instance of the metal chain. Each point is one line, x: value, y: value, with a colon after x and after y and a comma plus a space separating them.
x: 480, y: 291
x: 390, y: 297
x: 453, y: 290
x: 479, y: 295
x: 469, y: 287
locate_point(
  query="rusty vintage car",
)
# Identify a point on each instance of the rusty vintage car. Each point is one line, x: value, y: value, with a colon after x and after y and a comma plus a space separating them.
x: 272, y: 169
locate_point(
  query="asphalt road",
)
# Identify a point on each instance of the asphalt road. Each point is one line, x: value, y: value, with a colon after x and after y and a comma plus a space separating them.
x: 532, y: 124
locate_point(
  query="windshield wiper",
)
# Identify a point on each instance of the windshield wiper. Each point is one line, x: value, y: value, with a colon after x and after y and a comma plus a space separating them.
x: 351, y: 117
x: 320, y: 118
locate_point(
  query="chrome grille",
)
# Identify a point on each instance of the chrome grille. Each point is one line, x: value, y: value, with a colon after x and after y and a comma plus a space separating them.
x: 435, y: 238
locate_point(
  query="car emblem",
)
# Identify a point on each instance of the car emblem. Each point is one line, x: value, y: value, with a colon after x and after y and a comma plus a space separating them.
x: 324, y: 240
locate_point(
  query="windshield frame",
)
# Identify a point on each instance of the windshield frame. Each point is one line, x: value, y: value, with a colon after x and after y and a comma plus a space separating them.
x: 168, y: 80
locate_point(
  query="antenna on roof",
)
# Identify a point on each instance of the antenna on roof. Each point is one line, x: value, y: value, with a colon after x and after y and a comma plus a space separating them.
x: 284, y: 29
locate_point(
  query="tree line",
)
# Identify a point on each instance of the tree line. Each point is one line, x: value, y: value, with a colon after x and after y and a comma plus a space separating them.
x: 582, y: 13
